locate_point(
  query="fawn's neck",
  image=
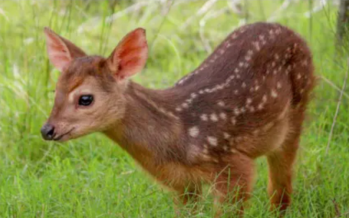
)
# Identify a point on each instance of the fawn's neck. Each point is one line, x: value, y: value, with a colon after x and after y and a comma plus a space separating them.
x: 149, y: 130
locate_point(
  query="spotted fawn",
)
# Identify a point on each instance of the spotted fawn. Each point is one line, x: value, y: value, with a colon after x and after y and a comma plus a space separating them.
x: 246, y: 100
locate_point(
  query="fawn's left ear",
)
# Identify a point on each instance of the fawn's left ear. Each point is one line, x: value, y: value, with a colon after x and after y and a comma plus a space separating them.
x: 130, y: 56
x: 60, y: 50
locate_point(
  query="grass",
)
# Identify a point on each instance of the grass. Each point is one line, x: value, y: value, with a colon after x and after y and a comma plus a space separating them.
x: 92, y: 177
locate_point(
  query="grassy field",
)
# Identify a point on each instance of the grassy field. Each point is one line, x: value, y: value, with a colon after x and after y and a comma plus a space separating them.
x: 91, y: 176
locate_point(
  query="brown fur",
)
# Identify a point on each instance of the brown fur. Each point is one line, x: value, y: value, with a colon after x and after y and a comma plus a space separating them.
x: 208, y: 128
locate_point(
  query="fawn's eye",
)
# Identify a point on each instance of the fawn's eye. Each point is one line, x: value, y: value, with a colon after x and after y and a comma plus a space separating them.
x: 85, y: 100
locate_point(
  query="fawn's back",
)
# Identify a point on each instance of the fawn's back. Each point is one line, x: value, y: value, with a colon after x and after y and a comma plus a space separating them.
x: 252, y: 84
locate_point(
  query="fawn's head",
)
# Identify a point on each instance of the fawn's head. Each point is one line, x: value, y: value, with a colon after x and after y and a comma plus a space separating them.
x: 89, y: 94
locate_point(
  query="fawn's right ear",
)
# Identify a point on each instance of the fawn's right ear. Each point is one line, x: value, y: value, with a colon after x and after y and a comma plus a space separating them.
x: 60, y: 50
x: 130, y: 56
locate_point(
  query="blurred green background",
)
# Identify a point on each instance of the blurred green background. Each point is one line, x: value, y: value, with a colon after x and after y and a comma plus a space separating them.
x: 93, y: 177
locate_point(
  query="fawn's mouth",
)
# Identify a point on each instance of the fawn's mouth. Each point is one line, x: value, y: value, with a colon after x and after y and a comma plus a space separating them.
x: 59, y: 137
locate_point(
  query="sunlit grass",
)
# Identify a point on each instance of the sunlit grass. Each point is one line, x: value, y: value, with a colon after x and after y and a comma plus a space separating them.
x: 92, y: 177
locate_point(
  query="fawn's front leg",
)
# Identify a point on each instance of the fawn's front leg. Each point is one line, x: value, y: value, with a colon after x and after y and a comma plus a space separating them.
x: 187, y: 194
x: 233, y: 185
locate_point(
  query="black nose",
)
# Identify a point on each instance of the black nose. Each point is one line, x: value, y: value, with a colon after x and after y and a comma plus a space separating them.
x: 48, y: 131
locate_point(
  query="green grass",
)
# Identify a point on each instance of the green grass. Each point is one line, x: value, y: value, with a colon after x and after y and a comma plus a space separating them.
x: 91, y: 176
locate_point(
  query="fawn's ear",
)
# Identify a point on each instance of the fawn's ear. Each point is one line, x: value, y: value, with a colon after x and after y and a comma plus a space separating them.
x: 130, y: 55
x: 60, y: 50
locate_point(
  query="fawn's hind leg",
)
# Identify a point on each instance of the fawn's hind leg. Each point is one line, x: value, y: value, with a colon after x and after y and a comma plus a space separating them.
x: 280, y: 164
x: 234, y: 184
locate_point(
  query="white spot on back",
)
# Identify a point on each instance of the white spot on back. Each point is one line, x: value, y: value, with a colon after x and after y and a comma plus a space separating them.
x: 278, y: 85
x: 226, y: 135
x: 221, y: 103
x: 233, y: 120
x: 223, y: 116
x: 189, y: 100
x: 273, y: 93
x: 264, y: 99
x: 194, y: 131
x: 233, y: 150
x: 242, y: 110
x: 212, y: 140
x: 214, y: 117
x: 204, y: 117
x: 278, y: 31
x: 260, y: 106
x: 256, y: 45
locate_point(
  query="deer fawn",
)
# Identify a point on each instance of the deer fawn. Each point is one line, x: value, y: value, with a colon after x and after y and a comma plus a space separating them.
x: 246, y: 100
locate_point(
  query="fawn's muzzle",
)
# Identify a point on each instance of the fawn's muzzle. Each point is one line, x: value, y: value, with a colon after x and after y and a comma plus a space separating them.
x: 48, y: 131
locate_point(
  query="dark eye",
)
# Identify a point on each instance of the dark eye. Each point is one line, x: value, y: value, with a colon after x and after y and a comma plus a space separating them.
x: 85, y: 100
